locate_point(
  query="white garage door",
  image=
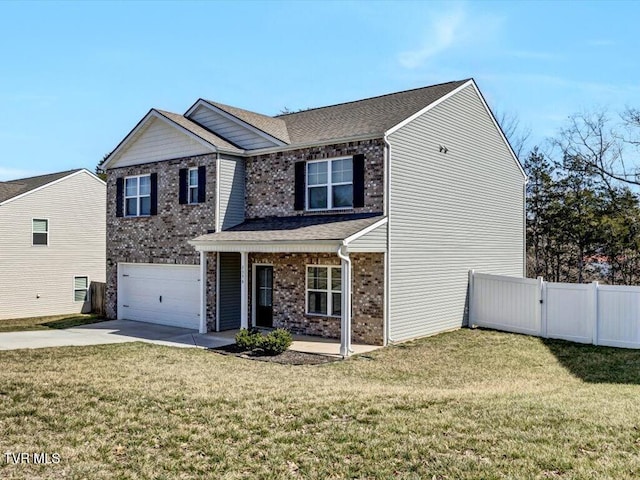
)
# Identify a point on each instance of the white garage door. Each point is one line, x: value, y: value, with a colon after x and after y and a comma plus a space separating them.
x: 165, y: 294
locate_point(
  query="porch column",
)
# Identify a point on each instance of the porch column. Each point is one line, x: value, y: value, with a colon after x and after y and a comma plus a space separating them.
x: 244, y: 290
x: 345, y: 317
x: 203, y: 292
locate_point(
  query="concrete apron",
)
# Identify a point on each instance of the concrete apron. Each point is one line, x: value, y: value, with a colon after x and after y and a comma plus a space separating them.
x: 122, y: 331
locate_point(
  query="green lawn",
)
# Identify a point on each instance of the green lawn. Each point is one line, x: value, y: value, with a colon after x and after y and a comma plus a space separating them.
x: 46, y: 323
x: 468, y: 404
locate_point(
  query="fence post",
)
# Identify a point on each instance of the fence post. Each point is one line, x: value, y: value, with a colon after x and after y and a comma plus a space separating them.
x: 542, y: 307
x: 470, y: 308
x: 595, y: 313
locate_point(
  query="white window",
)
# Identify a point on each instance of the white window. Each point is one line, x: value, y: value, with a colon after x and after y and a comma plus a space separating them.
x: 324, y: 290
x: 330, y: 184
x: 40, y: 231
x: 193, y: 185
x: 137, y: 196
x: 80, y: 289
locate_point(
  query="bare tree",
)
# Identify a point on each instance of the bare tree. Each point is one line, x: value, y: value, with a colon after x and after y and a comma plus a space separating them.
x: 516, y: 134
x: 591, y: 140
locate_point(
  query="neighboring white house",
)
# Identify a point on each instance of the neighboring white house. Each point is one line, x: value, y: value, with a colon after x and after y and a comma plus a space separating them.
x: 52, y: 243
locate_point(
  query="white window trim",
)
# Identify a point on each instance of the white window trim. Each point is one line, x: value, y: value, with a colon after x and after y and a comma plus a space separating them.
x: 32, y: 232
x: 329, y: 185
x: 137, y: 196
x: 73, y: 288
x: 329, y: 291
x: 190, y: 186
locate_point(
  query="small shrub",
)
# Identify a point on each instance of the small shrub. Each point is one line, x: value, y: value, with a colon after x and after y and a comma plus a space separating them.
x: 276, y: 342
x: 249, y: 339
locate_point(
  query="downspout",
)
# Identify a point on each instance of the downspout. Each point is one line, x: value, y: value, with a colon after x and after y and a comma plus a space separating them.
x: 345, y: 324
x: 217, y: 196
x: 387, y: 260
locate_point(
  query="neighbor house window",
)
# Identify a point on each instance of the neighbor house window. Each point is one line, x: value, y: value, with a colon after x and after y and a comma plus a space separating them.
x: 330, y: 184
x: 40, y: 230
x: 193, y: 185
x: 80, y: 289
x: 137, y: 196
x: 324, y: 290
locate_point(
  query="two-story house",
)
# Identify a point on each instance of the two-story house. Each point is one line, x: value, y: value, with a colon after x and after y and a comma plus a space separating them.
x: 52, y: 243
x: 354, y: 221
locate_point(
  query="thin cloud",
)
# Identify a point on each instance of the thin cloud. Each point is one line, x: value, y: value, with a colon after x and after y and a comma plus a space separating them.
x: 529, y: 55
x: 601, y: 43
x: 446, y: 31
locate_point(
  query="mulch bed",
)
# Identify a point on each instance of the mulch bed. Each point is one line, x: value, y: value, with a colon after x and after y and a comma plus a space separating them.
x: 288, y: 357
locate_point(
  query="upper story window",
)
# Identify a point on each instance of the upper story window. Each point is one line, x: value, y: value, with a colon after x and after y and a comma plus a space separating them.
x: 193, y: 185
x: 40, y: 231
x: 330, y: 184
x: 137, y: 196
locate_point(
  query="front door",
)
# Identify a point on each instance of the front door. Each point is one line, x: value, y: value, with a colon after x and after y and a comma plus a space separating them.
x: 264, y: 296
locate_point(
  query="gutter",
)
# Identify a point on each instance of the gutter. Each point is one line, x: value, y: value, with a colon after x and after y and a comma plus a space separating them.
x: 345, y: 324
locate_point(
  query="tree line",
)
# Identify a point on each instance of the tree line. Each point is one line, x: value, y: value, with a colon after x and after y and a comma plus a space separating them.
x: 583, y: 213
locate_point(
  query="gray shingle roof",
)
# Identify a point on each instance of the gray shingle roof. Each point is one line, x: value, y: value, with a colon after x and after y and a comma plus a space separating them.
x: 203, y: 133
x: 369, y: 116
x: 273, y: 126
x: 294, y: 229
x: 13, y: 188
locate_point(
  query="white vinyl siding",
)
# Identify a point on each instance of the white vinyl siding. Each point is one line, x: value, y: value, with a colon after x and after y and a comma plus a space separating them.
x: 159, y: 141
x: 232, y: 191
x: 449, y: 213
x: 374, y: 241
x: 80, y: 289
x: 40, y: 232
x: 41, y: 278
x: 228, y: 129
x: 324, y: 290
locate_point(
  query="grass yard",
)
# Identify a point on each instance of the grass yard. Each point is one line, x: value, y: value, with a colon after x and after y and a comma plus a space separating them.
x: 46, y: 323
x: 467, y: 404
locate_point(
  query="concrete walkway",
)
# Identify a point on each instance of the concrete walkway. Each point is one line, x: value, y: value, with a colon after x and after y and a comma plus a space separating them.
x: 122, y: 331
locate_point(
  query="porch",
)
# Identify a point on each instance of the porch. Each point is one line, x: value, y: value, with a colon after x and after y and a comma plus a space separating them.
x: 297, y: 273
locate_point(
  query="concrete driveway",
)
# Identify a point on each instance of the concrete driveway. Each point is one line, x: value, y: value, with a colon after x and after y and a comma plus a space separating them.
x: 112, y: 331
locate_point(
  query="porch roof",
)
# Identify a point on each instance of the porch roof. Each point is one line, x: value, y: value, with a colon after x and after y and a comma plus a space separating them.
x: 318, y: 233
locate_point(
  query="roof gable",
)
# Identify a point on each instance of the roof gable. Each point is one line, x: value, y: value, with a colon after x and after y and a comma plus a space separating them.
x: 247, y: 129
x: 163, y: 135
x: 14, y: 189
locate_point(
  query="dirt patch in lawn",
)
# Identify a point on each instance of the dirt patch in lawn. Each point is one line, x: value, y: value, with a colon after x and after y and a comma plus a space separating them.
x: 288, y: 357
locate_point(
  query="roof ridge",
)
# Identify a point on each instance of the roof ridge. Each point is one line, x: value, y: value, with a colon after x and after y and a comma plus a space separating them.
x: 372, y: 98
x: 43, y: 175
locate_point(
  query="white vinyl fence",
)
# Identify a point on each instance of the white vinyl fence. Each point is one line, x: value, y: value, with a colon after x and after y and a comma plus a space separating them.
x: 586, y: 313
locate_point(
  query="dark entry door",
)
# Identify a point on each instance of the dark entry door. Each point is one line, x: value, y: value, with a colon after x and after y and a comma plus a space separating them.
x: 264, y: 296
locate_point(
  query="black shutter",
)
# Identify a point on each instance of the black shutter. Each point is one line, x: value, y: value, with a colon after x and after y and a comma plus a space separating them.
x: 119, y: 196
x: 202, y: 184
x: 300, y: 185
x: 358, y: 181
x: 154, y: 194
x: 182, y: 185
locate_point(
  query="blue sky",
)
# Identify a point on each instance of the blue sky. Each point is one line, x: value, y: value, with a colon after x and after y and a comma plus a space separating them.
x: 76, y: 77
